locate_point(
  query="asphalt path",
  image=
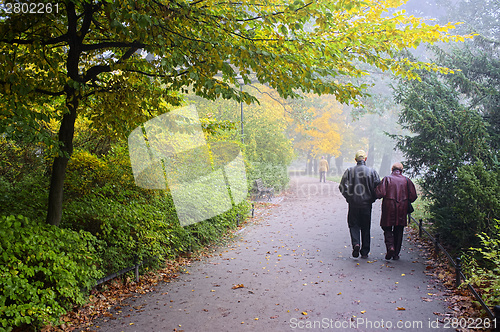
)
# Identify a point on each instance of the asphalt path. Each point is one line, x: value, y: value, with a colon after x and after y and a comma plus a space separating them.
x: 291, y: 269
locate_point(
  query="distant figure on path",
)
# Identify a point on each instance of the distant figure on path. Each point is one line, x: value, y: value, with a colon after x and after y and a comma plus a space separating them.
x: 323, y: 168
x: 397, y: 192
x: 358, y: 187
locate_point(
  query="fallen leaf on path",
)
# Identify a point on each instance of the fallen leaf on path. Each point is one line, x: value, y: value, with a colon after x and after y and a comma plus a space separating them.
x: 237, y: 286
x: 401, y: 308
x: 304, y: 313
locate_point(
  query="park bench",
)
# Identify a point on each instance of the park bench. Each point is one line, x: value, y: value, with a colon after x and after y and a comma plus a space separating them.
x: 262, y: 190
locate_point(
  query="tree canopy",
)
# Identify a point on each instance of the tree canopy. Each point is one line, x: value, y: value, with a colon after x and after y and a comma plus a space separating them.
x: 121, y: 62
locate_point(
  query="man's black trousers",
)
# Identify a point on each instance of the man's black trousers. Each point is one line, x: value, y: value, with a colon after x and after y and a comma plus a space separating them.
x: 359, y: 220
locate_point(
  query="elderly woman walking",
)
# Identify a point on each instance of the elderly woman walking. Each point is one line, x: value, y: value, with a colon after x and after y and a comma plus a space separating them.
x: 397, y: 192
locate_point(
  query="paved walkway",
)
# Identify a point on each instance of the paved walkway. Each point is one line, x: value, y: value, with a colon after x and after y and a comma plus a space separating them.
x: 293, y: 271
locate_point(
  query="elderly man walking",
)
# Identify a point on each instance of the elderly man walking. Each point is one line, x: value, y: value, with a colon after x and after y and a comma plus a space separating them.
x: 397, y: 192
x: 358, y: 188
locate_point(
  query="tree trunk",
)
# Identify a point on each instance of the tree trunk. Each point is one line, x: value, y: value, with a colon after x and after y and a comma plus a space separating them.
x: 385, y: 166
x: 371, y: 153
x: 309, y: 164
x: 329, y: 161
x: 339, y: 163
x: 66, y: 133
x: 306, y: 170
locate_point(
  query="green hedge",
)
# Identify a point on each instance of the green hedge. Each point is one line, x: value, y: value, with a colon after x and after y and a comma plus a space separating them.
x: 143, y: 228
x: 43, y: 270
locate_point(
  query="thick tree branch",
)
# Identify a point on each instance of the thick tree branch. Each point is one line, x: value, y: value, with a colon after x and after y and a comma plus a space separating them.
x: 88, y: 14
x: 93, y: 72
x: 74, y: 43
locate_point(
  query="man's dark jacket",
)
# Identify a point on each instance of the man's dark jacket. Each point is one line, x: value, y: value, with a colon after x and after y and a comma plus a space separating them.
x: 358, y: 185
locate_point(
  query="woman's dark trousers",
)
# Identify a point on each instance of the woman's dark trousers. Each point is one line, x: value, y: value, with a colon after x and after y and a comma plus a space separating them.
x: 393, y: 236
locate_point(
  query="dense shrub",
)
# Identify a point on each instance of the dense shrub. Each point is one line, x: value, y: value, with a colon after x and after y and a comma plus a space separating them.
x: 485, y: 270
x: 106, y: 176
x: 43, y: 270
x: 471, y: 207
x: 275, y: 176
x: 133, y: 223
x: 142, y: 229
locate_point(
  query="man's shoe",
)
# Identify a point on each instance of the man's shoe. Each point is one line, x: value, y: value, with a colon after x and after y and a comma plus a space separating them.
x: 390, y: 253
x: 396, y: 258
x: 364, y: 256
x: 355, y: 251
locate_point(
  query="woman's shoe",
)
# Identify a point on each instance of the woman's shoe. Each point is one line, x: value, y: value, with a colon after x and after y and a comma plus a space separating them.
x: 390, y: 253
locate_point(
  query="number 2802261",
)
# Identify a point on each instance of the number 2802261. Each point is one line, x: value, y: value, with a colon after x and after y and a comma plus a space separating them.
x: 29, y: 8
